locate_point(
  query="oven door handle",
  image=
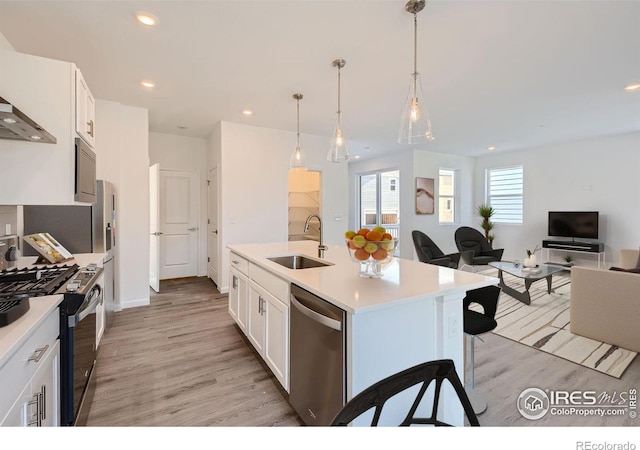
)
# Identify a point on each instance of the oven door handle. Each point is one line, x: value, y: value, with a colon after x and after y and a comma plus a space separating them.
x: 93, y: 301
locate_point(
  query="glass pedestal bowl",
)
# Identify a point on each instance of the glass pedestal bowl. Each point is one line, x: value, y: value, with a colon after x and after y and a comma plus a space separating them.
x: 372, y: 256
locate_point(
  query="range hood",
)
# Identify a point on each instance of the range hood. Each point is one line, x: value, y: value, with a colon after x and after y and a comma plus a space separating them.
x: 14, y: 124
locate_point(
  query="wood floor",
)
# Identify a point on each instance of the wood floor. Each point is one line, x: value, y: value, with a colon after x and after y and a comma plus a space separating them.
x: 182, y: 362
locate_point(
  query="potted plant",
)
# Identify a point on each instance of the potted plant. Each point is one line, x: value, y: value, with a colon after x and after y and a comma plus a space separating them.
x: 486, y: 211
x: 530, y: 261
x: 569, y: 260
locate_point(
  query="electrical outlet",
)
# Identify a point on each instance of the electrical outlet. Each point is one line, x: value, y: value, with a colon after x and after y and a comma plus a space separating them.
x: 454, y: 326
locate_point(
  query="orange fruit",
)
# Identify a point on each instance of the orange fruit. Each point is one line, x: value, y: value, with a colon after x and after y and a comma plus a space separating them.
x: 380, y: 254
x: 351, y: 245
x: 363, y: 231
x: 386, y: 236
x: 374, y: 235
x: 361, y: 254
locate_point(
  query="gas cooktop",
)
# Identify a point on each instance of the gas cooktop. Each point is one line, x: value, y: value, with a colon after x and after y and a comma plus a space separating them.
x: 17, y: 285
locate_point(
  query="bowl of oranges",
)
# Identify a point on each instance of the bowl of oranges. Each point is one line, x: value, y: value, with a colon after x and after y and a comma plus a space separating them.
x: 371, y: 248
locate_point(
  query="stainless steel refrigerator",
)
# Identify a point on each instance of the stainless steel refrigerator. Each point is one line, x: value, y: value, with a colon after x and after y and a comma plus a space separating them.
x: 81, y: 229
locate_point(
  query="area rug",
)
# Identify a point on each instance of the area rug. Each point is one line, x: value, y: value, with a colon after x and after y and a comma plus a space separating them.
x: 544, y: 325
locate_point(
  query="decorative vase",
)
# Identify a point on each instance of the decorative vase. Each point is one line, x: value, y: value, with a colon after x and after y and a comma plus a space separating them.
x: 530, y: 261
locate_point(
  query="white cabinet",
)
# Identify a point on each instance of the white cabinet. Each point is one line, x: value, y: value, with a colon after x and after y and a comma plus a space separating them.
x: 85, y: 110
x: 238, y: 298
x: 268, y: 327
x: 45, y: 90
x: 259, y: 303
x: 31, y: 384
x: 238, y: 293
x: 257, y: 319
x: 100, y: 320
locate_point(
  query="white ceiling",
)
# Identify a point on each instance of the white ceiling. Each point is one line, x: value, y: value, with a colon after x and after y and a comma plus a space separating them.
x: 512, y: 74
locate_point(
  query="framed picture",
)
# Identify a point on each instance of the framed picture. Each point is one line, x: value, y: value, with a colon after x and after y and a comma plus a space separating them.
x: 424, y: 195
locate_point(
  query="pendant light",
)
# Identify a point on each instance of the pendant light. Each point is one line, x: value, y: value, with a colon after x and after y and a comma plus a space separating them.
x: 298, y: 161
x: 415, y: 127
x: 339, y: 151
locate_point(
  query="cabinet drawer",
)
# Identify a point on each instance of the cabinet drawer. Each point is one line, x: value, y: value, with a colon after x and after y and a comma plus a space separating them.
x: 278, y: 287
x: 239, y: 263
x: 19, y: 370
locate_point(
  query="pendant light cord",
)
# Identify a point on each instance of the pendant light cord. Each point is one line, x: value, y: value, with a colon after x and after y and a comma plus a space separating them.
x: 298, y: 119
x: 415, y: 52
x: 339, y: 112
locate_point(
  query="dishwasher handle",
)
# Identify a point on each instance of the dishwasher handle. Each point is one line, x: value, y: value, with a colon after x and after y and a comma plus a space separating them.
x: 315, y: 316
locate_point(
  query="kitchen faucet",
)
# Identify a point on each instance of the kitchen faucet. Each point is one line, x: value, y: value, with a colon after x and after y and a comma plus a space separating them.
x: 321, y: 247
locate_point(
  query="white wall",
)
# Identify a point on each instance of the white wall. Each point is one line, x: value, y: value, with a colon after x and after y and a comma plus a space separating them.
x: 412, y: 164
x: 5, y: 44
x: 122, y: 149
x: 590, y: 175
x: 253, y: 190
x: 174, y: 152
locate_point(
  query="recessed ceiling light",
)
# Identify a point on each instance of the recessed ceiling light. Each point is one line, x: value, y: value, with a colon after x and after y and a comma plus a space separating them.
x: 632, y: 87
x: 491, y: 148
x: 247, y: 112
x: 148, y: 84
x: 8, y: 120
x: 357, y: 156
x: 147, y: 19
x: 35, y: 138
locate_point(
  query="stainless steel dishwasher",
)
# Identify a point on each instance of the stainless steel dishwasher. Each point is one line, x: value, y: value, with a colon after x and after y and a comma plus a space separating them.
x: 317, y: 389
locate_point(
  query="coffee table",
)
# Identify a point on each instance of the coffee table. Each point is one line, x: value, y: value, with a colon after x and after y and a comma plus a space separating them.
x: 545, y: 271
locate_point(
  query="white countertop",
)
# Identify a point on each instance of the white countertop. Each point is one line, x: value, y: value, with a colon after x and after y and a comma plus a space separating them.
x: 403, y: 281
x: 16, y: 333
x: 81, y: 259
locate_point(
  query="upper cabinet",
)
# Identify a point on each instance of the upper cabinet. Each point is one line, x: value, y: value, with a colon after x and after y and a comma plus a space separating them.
x: 49, y: 92
x: 85, y: 110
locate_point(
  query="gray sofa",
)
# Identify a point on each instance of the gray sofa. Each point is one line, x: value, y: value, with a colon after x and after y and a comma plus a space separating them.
x: 605, y: 304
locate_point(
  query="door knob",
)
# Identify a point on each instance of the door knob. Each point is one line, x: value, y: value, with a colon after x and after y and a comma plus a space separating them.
x: 193, y: 229
x: 157, y: 233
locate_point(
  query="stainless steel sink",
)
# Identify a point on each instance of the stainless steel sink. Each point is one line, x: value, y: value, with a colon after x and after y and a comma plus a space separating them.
x: 298, y: 262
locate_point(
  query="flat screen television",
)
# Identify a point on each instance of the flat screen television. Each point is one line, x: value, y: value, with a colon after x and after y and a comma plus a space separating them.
x: 574, y: 224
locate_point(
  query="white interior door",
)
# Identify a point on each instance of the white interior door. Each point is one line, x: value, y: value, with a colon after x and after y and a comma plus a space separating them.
x: 212, y: 265
x: 179, y: 199
x: 154, y: 227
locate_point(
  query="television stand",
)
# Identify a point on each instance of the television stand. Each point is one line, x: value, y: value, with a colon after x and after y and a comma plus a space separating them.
x: 592, y: 248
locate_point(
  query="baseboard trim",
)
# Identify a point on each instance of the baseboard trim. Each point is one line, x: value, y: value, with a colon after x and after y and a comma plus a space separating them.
x: 135, y: 303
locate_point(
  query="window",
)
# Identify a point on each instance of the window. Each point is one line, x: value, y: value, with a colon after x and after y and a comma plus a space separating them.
x: 447, y: 196
x: 380, y: 200
x: 505, y: 190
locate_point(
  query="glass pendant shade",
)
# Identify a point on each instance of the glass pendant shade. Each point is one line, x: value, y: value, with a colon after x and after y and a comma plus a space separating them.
x: 298, y: 162
x: 339, y: 150
x: 415, y: 126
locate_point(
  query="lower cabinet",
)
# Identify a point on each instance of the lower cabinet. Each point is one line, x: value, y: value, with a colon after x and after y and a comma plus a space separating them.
x: 238, y: 298
x: 259, y: 304
x: 38, y: 403
x: 268, y: 331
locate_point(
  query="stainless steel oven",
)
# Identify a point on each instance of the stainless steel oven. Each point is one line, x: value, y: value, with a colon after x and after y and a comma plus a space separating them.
x: 84, y: 292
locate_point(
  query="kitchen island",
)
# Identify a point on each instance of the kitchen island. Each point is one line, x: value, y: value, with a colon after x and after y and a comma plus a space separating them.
x: 411, y: 315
